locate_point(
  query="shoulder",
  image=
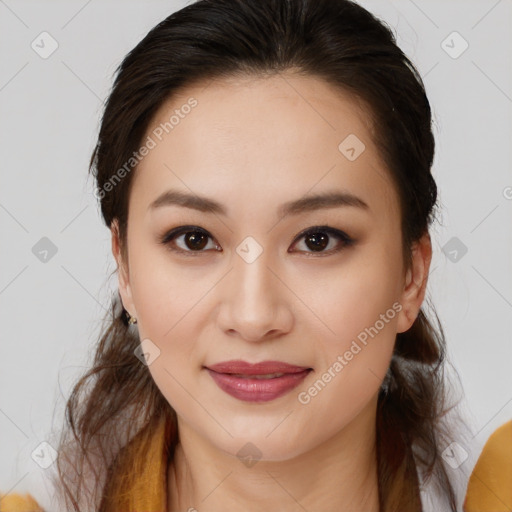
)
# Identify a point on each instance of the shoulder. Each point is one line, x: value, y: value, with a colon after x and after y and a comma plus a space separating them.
x: 489, y: 486
x: 18, y: 503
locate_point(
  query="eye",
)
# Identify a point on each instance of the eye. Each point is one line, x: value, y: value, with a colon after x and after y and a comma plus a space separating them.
x: 318, y: 239
x: 194, y: 240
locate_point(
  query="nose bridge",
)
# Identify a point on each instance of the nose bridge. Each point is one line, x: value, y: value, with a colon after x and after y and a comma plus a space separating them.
x: 252, y: 281
x: 253, y: 302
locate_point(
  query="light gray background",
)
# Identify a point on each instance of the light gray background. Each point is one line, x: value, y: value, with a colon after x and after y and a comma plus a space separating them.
x: 50, y: 109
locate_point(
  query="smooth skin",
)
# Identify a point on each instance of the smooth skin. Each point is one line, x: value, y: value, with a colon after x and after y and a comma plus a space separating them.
x: 252, y: 144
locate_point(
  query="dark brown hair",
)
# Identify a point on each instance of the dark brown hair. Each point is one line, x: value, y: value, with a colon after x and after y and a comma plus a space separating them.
x: 337, y: 41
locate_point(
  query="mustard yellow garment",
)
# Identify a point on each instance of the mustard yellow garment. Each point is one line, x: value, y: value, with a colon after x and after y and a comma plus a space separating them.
x: 490, y: 485
x: 140, y: 482
x: 143, y: 484
x: 18, y: 503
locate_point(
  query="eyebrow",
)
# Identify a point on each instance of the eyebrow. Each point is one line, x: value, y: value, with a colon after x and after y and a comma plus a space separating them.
x: 295, y: 207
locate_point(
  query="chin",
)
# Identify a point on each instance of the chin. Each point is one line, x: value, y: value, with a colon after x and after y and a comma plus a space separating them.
x: 260, y: 448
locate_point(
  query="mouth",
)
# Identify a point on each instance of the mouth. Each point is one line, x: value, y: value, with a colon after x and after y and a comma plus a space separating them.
x: 265, y: 376
x: 239, y: 367
x: 259, y: 382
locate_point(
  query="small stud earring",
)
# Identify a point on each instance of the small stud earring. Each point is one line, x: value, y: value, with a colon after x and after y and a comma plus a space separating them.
x: 131, y: 319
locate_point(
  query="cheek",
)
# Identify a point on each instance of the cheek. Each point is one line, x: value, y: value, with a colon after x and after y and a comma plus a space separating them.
x: 358, y: 295
x: 166, y: 294
x: 168, y: 302
x: 361, y: 313
x: 359, y: 306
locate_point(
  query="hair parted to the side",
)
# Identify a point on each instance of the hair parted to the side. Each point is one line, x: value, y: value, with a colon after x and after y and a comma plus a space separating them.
x: 343, y: 44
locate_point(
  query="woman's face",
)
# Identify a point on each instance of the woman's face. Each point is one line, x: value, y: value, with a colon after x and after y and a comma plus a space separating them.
x: 240, y: 161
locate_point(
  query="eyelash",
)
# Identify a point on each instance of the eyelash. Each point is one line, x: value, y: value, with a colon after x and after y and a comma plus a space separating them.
x: 346, y: 240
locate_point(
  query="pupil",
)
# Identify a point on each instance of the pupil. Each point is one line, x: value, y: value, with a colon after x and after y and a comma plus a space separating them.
x: 195, y: 240
x: 318, y: 241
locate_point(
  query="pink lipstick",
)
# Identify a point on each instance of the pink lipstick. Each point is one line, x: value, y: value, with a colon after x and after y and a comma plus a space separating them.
x: 260, y: 382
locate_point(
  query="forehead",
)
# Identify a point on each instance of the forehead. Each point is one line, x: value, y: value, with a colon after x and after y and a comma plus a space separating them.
x: 273, y: 138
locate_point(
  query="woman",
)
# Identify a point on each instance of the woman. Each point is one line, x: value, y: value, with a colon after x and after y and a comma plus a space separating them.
x: 265, y: 170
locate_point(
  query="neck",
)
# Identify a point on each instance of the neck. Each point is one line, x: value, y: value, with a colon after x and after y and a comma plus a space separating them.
x: 338, y: 474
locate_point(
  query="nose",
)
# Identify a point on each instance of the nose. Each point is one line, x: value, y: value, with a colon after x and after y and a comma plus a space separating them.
x: 255, y: 302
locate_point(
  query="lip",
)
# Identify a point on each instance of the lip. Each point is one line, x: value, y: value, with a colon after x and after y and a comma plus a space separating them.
x: 234, y: 378
x: 262, y: 368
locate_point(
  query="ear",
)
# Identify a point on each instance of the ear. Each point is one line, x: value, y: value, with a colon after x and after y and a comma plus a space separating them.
x: 122, y: 271
x: 415, y: 283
